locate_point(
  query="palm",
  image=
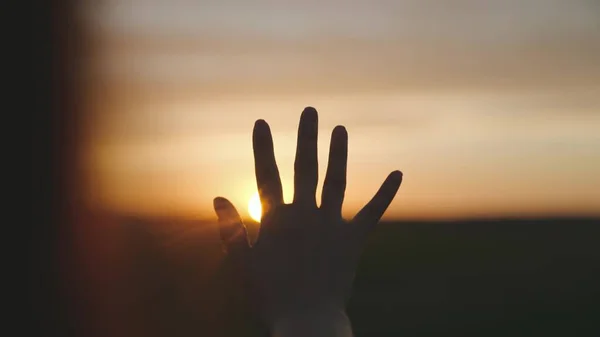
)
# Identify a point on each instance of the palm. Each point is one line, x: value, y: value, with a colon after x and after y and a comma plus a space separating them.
x: 305, y: 263
x: 305, y: 255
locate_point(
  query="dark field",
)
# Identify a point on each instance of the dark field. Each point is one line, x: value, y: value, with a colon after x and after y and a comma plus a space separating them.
x: 476, y: 278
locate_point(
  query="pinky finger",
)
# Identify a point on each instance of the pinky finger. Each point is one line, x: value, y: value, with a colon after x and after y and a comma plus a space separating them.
x: 373, y: 211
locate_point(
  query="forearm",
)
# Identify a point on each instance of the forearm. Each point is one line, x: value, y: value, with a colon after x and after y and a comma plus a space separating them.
x: 313, y: 323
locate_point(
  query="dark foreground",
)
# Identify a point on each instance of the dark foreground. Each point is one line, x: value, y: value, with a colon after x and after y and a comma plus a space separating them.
x: 479, y: 278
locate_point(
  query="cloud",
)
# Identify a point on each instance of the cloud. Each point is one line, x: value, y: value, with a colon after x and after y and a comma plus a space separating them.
x: 460, y: 19
x: 289, y: 48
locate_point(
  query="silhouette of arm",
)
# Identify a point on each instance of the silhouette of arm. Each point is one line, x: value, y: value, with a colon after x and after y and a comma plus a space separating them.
x: 314, y: 323
x: 299, y: 272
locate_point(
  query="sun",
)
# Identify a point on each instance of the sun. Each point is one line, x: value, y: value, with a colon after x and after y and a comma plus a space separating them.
x: 255, y: 208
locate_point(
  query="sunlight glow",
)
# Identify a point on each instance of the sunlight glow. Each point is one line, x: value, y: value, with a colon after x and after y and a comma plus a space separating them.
x: 255, y: 208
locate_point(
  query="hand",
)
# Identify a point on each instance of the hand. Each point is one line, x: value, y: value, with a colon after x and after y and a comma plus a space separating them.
x: 302, y: 265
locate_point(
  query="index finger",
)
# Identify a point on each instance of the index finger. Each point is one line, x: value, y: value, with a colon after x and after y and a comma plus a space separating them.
x: 267, y: 173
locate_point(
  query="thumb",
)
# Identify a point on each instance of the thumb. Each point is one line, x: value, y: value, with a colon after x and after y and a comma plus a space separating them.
x: 231, y: 228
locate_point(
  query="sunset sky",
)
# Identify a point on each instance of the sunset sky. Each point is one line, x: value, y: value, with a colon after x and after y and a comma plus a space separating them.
x: 490, y: 108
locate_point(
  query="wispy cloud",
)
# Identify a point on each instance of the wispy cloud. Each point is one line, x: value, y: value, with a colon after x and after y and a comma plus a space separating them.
x: 468, y: 97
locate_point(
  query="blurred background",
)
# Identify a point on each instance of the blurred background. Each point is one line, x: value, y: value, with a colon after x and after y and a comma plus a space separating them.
x: 490, y: 108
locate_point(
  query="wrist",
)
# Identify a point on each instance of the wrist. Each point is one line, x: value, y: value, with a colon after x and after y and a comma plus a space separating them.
x: 314, y: 322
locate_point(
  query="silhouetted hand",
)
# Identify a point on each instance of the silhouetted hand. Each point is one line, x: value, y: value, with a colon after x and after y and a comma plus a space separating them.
x: 300, y: 270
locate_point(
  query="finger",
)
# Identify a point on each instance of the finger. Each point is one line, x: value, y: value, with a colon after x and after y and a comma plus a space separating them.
x: 267, y: 173
x: 232, y: 230
x: 373, y: 211
x: 334, y: 186
x: 306, y: 166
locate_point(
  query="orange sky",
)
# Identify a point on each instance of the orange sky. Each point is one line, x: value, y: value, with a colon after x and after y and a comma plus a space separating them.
x: 488, y: 110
